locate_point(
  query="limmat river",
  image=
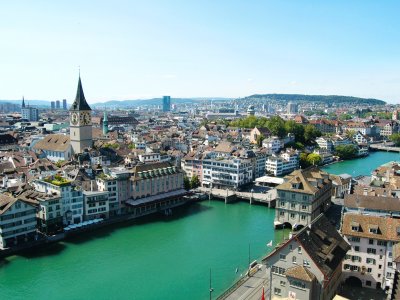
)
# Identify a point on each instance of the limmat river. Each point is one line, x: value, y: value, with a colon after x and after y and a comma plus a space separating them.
x: 155, y: 258
x: 362, y: 166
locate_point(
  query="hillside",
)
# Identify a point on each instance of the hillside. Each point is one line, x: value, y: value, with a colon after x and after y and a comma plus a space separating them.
x: 320, y: 98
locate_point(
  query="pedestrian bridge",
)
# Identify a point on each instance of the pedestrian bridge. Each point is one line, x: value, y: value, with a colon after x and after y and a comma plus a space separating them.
x: 268, y: 198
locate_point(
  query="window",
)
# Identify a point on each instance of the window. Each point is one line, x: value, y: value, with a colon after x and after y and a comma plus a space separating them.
x: 381, y: 243
x: 277, y: 291
x: 306, y: 263
x: 371, y: 261
x: 371, y: 251
x: 303, y: 217
x: 281, y: 213
x: 354, y: 268
x: 355, y: 239
x: 293, y: 196
x: 354, y: 228
x: 293, y: 205
x: 282, y: 256
x: 373, y: 230
x: 390, y: 254
x: 346, y: 267
x: 299, y: 250
x: 298, y: 284
x: 388, y: 275
x: 390, y: 264
x: 356, y: 248
x: 369, y: 270
x: 282, y: 203
x: 283, y: 283
x: 380, y: 266
x: 278, y: 270
x: 371, y: 241
x: 292, y: 216
x: 304, y: 207
x: 368, y: 283
x: 294, y: 259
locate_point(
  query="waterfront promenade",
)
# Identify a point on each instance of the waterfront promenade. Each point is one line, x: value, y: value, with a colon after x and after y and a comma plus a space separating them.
x: 249, y: 288
x: 268, y: 198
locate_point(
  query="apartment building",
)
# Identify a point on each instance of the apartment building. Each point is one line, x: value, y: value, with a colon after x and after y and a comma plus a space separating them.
x: 272, y: 144
x: 96, y: 205
x: 309, y: 264
x: 302, y: 197
x: 370, y: 259
x: 17, y: 221
x: 283, y: 163
x: 227, y: 173
x: 71, y: 197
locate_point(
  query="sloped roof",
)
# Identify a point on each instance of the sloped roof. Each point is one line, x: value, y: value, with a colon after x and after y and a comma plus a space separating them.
x: 324, y: 244
x: 304, y: 177
x: 387, y: 227
x: 80, y: 101
x: 372, y: 202
x: 53, y: 142
x: 300, y: 272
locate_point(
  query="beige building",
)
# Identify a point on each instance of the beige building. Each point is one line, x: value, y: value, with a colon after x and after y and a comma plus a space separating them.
x: 302, y: 197
x: 308, y: 265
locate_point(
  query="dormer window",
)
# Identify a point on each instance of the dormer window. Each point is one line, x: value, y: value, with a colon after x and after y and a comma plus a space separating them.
x: 373, y: 229
x: 355, y: 226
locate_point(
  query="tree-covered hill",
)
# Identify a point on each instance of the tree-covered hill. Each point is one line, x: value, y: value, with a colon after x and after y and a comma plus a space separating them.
x: 319, y: 98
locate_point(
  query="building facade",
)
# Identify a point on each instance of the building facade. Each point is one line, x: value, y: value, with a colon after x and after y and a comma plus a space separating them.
x: 302, y: 197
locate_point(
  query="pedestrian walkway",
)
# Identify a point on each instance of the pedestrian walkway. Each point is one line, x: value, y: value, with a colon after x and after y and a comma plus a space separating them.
x: 251, y: 289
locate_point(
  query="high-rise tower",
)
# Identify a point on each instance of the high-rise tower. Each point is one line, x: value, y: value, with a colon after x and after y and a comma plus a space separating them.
x: 105, y: 124
x: 80, y: 122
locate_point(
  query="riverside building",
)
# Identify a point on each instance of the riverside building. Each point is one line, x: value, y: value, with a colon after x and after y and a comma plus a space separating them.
x: 304, y: 195
x: 309, y: 264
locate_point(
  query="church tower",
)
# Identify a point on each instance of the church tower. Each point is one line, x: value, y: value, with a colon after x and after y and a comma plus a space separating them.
x: 105, y: 124
x: 80, y: 122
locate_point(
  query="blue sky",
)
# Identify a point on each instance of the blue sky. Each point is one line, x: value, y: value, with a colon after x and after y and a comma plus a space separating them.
x: 225, y: 48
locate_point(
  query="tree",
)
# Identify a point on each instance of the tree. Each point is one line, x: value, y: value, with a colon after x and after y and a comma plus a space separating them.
x: 350, y: 133
x: 276, y: 126
x: 186, y: 183
x: 314, y: 159
x: 260, y: 139
x: 194, y: 182
x: 311, y: 133
x: 303, y: 160
x: 395, y: 138
x: 346, y: 151
x: 297, y: 129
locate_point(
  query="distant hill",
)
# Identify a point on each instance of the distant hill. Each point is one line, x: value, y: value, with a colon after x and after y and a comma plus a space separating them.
x: 153, y: 101
x: 319, y: 98
x: 30, y: 102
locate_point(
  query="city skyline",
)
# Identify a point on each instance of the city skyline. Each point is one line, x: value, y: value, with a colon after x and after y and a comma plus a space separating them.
x: 227, y: 49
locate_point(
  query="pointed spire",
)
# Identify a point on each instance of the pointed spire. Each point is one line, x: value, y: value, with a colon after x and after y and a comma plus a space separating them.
x: 80, y: 101
x: 23, y: 102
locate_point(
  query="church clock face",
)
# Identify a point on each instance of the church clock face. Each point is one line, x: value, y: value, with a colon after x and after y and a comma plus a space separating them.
x: 86, y: 118
x: 74, y: 118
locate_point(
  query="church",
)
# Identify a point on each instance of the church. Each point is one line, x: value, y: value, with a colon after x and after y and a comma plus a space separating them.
x: 80, y: 120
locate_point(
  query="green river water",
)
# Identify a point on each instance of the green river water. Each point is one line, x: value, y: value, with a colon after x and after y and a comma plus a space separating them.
x: 157, y: 257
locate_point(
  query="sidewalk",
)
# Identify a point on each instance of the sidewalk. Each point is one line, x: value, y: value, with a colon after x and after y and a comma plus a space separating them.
x: 251, y: 289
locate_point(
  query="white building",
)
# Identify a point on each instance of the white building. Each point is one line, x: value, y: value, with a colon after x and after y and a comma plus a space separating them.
x: 96, y: 205
x: 325, y: 143
x: 149, y: 157
x: 17, y: 221
x: 55, y: 147
x: 282, y: 164
x: 228, y: 173
x: 272, y: 144
x: 71, y: 197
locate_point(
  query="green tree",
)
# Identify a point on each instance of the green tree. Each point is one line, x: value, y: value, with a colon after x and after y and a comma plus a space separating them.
x: 297, y: 129
x: 310, y: 134
x: 345, y: 117
x: 276, y: 126
x: 395, y: 138
x: 186, y: 183
x: 194, y: 182
x: 346, y: 151
x: 303, y: 160
x: 260, y: 139
x: 314, y: 159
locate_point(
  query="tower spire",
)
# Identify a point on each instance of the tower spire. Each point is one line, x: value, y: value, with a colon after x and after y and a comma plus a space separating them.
x: 80, y: 101
x: 23, y: 102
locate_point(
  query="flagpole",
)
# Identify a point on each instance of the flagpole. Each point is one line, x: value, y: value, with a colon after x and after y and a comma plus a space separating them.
x: 211, y: 289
